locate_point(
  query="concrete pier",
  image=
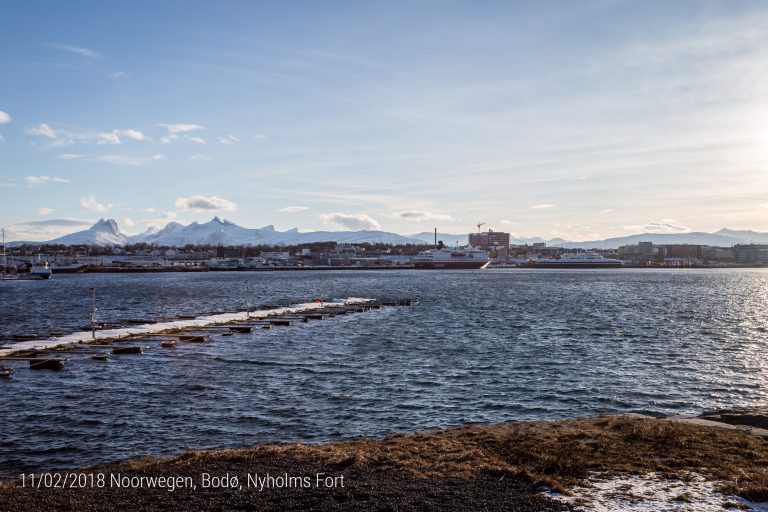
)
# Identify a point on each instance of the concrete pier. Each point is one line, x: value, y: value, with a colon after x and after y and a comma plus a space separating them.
x: 175, y: 325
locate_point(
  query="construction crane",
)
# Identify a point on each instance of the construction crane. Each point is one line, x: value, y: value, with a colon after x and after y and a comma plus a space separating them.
x: 479, y: 224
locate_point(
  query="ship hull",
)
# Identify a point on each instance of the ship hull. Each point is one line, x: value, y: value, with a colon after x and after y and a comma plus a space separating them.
x: 450, y: 265
x: 69, y: 270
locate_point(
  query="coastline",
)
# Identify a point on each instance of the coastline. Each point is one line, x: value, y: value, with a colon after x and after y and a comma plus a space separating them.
x: 541, y: 465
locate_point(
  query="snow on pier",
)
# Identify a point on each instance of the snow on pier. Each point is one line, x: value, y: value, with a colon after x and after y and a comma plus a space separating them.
x: 175, y: 325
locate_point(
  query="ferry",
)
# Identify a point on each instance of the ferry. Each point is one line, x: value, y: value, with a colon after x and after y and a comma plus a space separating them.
x: 466, y: 257
x: 577, y: 260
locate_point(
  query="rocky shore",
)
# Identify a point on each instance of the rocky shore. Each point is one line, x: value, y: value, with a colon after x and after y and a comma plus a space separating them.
x: 521, y: 466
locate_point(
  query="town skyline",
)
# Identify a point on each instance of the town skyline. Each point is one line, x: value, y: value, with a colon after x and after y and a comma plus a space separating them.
x: 577, y: 121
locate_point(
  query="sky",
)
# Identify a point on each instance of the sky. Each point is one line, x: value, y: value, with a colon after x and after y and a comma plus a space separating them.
x: 580, y: 120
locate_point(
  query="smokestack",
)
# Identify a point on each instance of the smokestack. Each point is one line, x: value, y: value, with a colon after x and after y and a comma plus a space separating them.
x: 435, y: 237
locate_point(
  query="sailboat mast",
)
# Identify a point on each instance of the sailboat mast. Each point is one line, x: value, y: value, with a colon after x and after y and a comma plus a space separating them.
x: 93, y: 315
x: 4, y: 261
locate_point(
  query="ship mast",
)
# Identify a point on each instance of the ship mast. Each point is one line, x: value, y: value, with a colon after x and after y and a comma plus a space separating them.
x: 93, y: 315
x: 4, y: 259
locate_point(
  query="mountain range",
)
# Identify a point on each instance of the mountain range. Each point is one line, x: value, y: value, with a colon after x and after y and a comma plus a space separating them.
x: 223, y: 232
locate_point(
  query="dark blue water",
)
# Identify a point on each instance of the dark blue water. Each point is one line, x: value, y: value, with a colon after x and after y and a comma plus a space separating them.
x: 481, y: 346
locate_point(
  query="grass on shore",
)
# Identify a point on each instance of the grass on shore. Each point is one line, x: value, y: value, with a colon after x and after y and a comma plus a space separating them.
x: 557, y: 454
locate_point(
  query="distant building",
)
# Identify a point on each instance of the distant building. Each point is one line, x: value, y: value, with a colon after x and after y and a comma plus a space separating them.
x: 751, y: 254
x: 489, y: 240
x: 722, y: 254
x: 683, y: 250
x: 643, y: 252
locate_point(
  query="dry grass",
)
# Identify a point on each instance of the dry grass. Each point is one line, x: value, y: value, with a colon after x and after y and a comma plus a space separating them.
x: 557, y: 454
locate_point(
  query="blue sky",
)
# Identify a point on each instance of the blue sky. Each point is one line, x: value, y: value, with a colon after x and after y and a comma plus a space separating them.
x: 579, y: 120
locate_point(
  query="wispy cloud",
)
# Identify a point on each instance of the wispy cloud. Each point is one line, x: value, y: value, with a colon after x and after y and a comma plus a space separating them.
x: 91, y: 204
x: 259, y: 136
x: 196, y: 140
x: 71, y: 156
x: 351, y: 221
x: 43, y: 130
x: 120, y: 159
x: 662, y: 226
x: 606, y: 210
x: 5, y: 117
x: 203, y: 203
x: 45, y: 211
x: 45, y: 229
x: 293, y: 209
x: 78, y: 50
x: 61, y: 137
x: 228, y: 139
x: 420, y: 215
x: 178, y: 128
x: 537, y: 206
x: 181, y: 127
x: 36, y: 181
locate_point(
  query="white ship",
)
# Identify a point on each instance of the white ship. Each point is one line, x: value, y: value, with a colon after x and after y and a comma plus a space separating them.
x: 577, y: 260
x: 443, y: 257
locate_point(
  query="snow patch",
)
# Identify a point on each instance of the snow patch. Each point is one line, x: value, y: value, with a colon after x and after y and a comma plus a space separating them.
x: 653, y: 492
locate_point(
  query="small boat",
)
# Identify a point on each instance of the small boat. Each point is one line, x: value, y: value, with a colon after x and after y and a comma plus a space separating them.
x: 47, y: 364
x: 128, y: 350
x: 6, y: 371
x: 39, y: 270
x: 168, y: 344
x: 100, y: 356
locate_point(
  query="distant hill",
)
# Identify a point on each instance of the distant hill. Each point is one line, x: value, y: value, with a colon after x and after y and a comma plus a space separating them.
x: 223, y: 232
x: 696, y: 238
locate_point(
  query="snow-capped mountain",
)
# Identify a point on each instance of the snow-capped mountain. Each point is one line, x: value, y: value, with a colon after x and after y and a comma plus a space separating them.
x: 104, y: 233
x: 223, y: 232
x: 220, y: 232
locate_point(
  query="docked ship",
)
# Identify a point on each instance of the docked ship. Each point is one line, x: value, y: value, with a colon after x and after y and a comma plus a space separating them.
x: 443, y: 257
x: 577, y: 260
x: 73, y: 267
x: 39, y: 270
